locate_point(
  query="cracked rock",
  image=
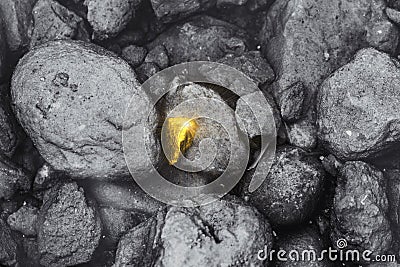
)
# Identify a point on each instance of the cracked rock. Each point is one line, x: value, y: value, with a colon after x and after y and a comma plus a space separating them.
x: 109, y: 17
x: 71, y: 98
x: 292, y: 189
x: 358, y: 106
x: 24, y: 220
x: 306, y: 40
x: 359, y: 209
x: 17, y: 17
x: 224, y: 233
x: 200, y: 38
x: 53, y: 21
x: 69, y: 228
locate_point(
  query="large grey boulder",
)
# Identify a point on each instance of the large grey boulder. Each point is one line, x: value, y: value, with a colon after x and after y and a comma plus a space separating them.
x: 71, y: 98
x: 358, y: 106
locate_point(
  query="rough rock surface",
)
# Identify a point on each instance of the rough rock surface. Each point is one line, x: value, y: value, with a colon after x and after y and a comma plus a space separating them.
x: 207, y: 128
x: 358, y: 106
x: 307, y: 239
x: 123, y: 196
x: 69, y: 228
x: 252, y: 64
x: 24, y: 220
x: 109, y: 17
x: 9, y: 132
x: 159, y: 56
x: 200, y: 38
x: 168, y: 11
x: 291, y: 191
x: 306, y: 40
x: 3, y: 49
x: 359, y: 209
x: 134, y: 55
x: 53, y: 21
x: 116, y: 223
x: 17, y: 16
x: 392, y: 178
x: 71, y: 97
x: 9, y: 247
x: 146, y: 70
x: 13, y: 179
x: 303, y: 133
x: 223, y: 233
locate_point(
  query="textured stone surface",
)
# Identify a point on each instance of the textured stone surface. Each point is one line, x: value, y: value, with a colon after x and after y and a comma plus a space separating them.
x: 9, y: 247
x: 71, y: 97
x: 359, y: 209
x: 13, y: 179
x: 69, y: 228
x: 24, y: 220
x: 182, y: 102
x: 200, y: 38
x: 3, y: 50
x: 123, y: 196
x: 53, y: 21
x: 303, y: 133
x: 17, y: 17
x: 116, y: 223
x: 173, y: 10
x: 358, y: 106
x: 134, y: 55
x: 159, y: 56
x: 224, y: 233
x: 306, y: 40
x: 109, y: 17
x: 307, y: 239
x: 9, y: 131
x: 291, y: 191
x: 252, y: 64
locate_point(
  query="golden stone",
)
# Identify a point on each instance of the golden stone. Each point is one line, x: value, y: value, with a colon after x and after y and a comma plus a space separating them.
x: 180, y: 133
